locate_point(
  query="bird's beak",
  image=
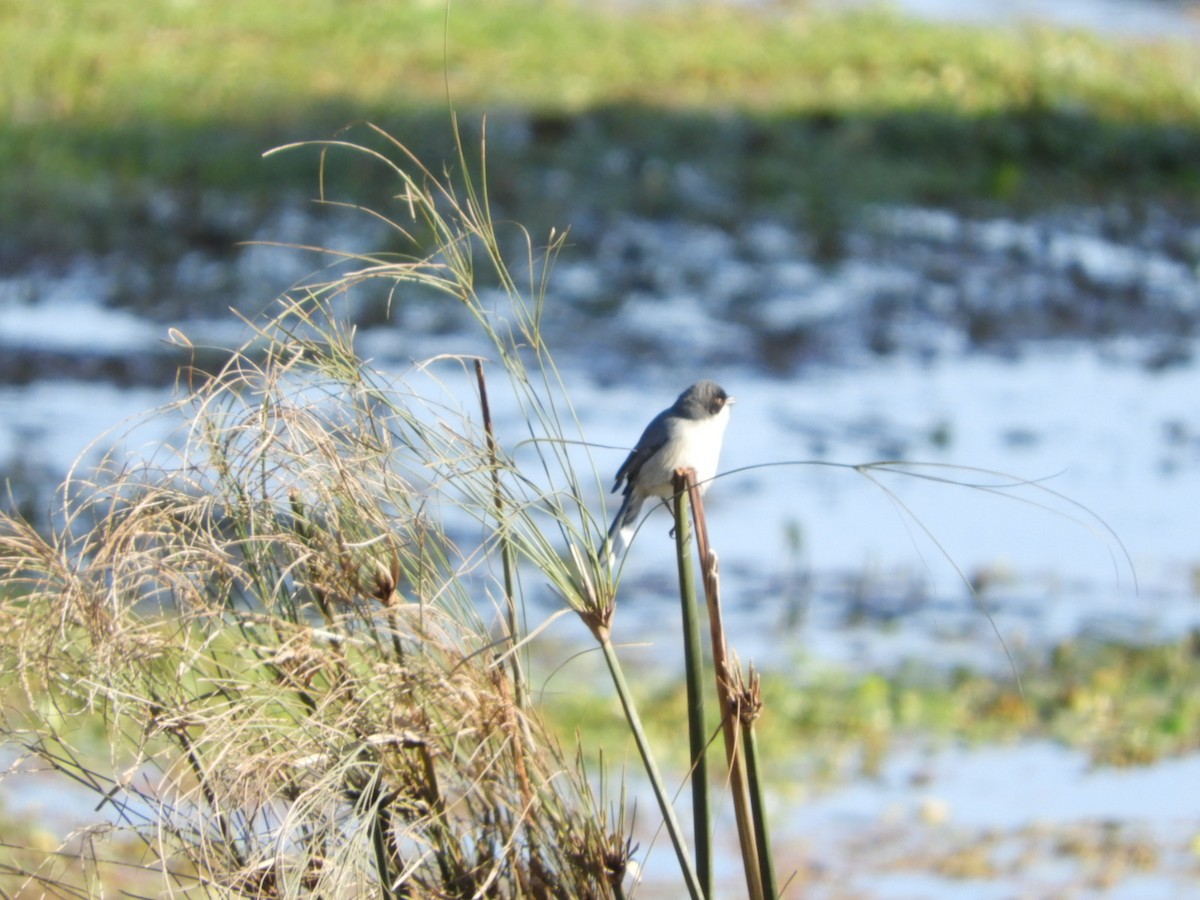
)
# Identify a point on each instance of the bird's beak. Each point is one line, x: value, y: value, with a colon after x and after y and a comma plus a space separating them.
x: 729, y: 401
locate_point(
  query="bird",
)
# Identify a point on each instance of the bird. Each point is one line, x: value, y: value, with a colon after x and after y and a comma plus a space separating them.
x: 686, y: 435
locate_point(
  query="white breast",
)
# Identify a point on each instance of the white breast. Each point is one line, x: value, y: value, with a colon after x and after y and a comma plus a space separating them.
x: 692, y: 445
x: 705, y: 462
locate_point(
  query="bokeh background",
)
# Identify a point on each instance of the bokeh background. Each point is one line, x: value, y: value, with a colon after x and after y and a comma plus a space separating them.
x: 961, y: 235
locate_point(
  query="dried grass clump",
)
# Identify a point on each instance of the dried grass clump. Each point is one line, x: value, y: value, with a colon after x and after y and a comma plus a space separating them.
x: 287, y: 650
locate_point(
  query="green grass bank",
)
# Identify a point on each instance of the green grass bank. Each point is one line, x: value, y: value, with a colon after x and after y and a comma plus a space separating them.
x: 106, y: 106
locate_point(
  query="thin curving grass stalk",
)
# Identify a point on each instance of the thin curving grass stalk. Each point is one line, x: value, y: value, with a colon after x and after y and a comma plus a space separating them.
x: 506, y: 556
x: 600, y: 629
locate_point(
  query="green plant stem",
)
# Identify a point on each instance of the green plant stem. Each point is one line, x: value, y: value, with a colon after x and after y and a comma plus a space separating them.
x: 694, y: 666
x: 766, y: 859
x: 505, y: 543
x: 739, y: 784
x: 381, y: 828
x: 660, y: 792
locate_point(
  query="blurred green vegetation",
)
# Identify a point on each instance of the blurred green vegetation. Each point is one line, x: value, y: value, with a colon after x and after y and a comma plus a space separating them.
x: 105, y: 104
x: 1119, y: 704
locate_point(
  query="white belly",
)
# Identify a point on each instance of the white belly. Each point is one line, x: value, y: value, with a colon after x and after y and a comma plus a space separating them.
x: 692, y: 445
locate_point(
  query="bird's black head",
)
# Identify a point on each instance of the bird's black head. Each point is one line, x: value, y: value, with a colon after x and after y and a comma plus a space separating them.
x: 704, y: 398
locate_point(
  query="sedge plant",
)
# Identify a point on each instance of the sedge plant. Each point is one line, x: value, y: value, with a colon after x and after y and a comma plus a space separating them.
x: 264, y: 644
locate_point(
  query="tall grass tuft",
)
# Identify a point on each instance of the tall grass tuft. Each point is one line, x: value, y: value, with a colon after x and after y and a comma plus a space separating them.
x: 280, y: 619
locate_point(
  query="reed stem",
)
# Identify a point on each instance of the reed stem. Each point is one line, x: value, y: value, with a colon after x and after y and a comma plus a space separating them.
x: 694, y: 666
x: 739, y: 784
x: 660, y: 792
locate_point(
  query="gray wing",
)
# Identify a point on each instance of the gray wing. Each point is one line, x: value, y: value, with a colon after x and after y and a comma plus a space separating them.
x: 651, y: 441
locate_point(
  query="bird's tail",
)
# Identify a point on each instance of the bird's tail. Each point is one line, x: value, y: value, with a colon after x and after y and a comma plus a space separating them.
x: 620, y: 533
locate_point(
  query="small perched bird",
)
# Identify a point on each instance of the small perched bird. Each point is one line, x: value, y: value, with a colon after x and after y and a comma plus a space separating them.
x: 688, y: 435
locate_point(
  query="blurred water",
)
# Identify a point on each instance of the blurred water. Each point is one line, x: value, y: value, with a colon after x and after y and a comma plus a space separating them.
x: 1133, y: 19
x: 1028, y: 821
x: 1060, y: 350
x: 1175, y: 19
